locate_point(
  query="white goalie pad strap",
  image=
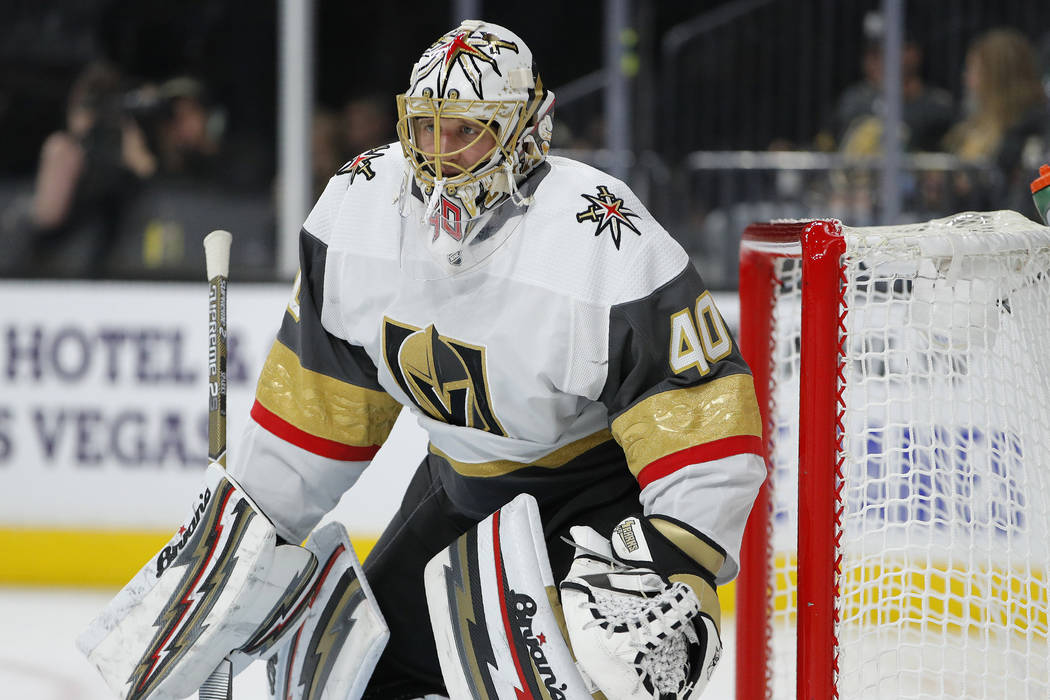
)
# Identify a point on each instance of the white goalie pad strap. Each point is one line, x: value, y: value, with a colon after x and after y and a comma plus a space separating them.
x: 202, y: 596
x: 496, y: 615
x: 333, y: 652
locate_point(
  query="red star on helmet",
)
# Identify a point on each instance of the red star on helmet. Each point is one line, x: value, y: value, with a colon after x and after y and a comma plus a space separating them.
x: 457, y: 46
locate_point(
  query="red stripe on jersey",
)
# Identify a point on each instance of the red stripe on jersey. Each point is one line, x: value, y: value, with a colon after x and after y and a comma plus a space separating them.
x: 708, y: 452
x: 311, y: 443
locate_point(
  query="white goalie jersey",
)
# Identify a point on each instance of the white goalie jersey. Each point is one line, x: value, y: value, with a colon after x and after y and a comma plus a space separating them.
x: 576, y: 342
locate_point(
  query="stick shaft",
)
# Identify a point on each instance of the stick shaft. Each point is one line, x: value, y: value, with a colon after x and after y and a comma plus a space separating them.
x: 217, y: 256
x: 217, y: 370
x: 218, y: 686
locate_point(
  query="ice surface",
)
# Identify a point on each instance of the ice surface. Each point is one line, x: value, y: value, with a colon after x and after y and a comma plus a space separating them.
x: 39, y: 661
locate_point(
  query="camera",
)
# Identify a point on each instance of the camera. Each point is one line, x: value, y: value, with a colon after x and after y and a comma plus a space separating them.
x: 146, y: 105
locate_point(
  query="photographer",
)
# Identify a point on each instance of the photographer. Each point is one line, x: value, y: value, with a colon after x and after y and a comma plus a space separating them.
x: 87, y: 173
x: 184, y: 129
x: 187, y: 130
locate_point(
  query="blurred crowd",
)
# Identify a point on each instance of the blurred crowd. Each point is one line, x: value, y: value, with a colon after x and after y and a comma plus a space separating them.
x: 134, y: 161
x: 998, y: 129
x: 116, y: 140
x: 120, y: 141
x: 976, y: 150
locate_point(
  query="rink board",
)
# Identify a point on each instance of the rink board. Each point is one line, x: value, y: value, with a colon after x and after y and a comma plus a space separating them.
x: 103, y: 422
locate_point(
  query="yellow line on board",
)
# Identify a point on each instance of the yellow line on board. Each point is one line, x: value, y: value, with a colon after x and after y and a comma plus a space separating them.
x: 103, y: 558
x: 110, y: 558
x: 943, y: 596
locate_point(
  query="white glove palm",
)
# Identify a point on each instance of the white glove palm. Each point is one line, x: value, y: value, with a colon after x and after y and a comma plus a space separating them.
x: 637, y: 635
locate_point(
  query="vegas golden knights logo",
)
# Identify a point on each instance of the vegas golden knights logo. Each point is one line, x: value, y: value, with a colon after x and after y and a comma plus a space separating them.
x: 444, y: 377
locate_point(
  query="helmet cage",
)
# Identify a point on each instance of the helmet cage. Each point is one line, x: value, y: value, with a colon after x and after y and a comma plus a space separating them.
x: 504, y: 120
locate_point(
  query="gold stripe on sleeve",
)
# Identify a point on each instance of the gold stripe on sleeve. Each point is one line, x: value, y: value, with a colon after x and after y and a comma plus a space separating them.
x: 321, y: 405
x: 552, y: 460
x: 681, y: 418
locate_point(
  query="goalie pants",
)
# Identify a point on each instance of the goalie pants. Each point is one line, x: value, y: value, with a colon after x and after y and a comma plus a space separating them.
x: 426, y: 522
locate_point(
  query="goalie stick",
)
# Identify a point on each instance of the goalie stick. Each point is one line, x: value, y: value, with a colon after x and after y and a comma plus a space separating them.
x: 225, y: 590
x: 219, y: 685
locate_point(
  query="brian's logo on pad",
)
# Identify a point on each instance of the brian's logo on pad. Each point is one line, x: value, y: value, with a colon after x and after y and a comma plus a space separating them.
x: 170, y: 553
x: 444, y: 377
x: 523, y: 609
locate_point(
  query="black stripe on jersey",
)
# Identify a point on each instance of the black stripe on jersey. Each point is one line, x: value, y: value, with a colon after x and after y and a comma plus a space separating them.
x: 317, y: 349
x: 640, y: 341
x: 596, y: 475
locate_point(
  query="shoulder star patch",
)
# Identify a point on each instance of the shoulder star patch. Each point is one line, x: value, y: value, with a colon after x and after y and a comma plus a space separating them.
x: 362, y: 164
x: 608, y: 212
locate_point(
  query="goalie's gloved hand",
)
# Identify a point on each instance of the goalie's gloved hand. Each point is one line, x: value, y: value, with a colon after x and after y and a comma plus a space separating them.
x: 644, y: 622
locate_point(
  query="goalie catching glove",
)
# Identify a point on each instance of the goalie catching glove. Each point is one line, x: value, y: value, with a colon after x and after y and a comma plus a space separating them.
x: 640, y: 634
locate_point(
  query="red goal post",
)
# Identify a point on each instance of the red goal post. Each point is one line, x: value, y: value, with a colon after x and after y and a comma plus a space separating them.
x: 904, y: 382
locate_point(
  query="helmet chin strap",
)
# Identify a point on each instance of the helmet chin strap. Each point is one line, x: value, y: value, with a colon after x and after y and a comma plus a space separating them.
x: 512, y: 186
x: 435, y: 199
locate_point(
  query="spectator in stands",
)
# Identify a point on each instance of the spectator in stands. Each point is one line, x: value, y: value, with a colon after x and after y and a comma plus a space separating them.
x: 1044, y: 61
x: 189, y: 129
x: 1044, y: 69
x: 366, y: 124
x: 857, y: 124
x: 194, y: 148
x: 325, y: 150
x: 1005, y: 125
x: 86, y: 174
x: 926, y: 111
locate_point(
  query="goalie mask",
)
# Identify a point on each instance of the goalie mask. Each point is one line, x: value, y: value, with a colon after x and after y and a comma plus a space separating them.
x: 474, y: 122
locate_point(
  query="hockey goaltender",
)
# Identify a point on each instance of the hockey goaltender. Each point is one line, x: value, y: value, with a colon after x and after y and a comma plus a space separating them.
x: 585, y: 404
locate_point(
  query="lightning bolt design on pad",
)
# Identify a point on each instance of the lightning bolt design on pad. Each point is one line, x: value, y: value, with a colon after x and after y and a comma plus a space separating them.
x: 207, y: 570
x: 286, y: 613
x: 466, y: 610
x: 334, y: 627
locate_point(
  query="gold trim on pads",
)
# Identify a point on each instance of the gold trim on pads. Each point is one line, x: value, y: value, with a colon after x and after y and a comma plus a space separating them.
x: 695, y: 548
x: 705, y: 593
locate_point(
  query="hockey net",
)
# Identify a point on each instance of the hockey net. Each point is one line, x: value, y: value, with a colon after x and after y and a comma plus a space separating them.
x: 905, y: 389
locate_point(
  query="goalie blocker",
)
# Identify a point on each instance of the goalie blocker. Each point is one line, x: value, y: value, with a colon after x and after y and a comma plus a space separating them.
x: 222, y: 583
x: 333, y: 652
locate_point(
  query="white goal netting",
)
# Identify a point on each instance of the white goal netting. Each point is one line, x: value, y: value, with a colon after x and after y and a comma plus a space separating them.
x: 945, y: 451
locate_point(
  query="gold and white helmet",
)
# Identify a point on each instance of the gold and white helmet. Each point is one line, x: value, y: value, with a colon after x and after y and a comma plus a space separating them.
x: 480, y: 77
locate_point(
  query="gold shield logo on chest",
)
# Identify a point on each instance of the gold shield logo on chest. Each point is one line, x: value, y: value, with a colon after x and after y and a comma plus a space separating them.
x: 444, y: 377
